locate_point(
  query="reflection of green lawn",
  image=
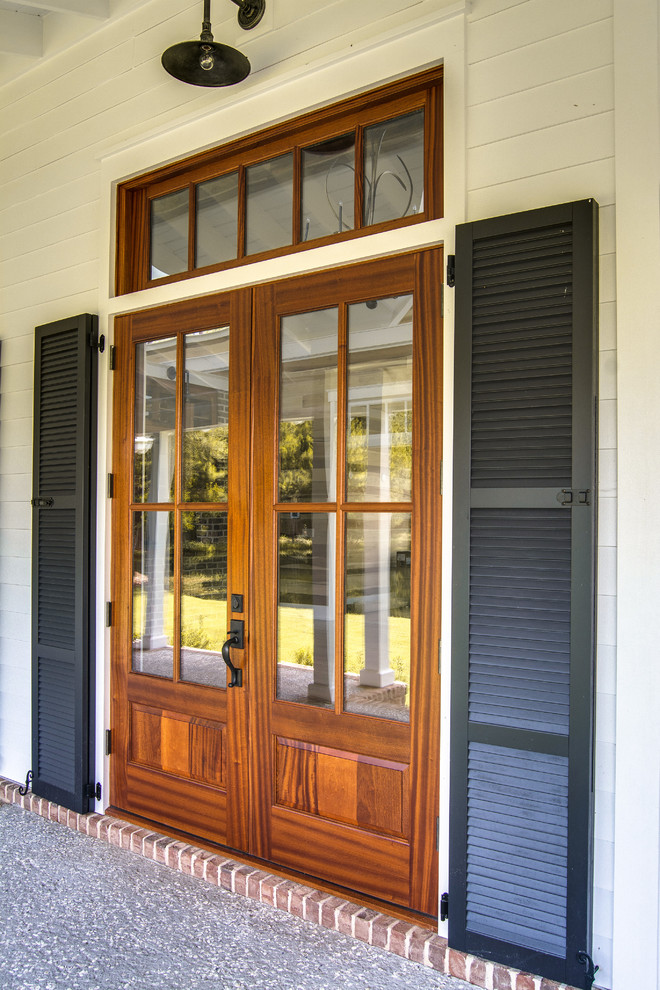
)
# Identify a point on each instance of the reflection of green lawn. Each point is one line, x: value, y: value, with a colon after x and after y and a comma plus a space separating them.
x: 296, y: 638
x: 204, y: 623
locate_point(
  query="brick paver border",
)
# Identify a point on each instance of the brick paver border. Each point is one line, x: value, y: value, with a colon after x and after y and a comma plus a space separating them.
x: 420, y: 945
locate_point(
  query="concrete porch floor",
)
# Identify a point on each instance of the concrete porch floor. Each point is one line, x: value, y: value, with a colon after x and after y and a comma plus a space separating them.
x: 82, y: 914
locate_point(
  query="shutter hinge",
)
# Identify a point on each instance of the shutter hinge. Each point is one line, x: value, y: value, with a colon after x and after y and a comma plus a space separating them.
x: 108, y: 614
x: 111, y: 486
x: 451, y: 270
x: 108, y: 742
x: 444, y: 906
x: 568, y: 497
x: 97, y: 342
x: 113, y: 356
x: 93, y: 791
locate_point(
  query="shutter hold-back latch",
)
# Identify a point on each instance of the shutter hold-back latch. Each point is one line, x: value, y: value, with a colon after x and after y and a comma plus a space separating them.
x: 27, y: 785
x: 590, y: 968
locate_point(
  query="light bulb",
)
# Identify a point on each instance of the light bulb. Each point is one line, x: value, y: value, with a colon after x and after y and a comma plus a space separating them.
x: 206, y: 60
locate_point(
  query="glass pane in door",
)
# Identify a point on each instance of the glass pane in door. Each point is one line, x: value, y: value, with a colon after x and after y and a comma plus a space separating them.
x: 153, y: 586
x: 380, y: 404
x: 155, y: 420
x: 306, y: 608
x: 377, y: 615
x: 203, y: 597
x: 308, y: 407
x: 206, y: 416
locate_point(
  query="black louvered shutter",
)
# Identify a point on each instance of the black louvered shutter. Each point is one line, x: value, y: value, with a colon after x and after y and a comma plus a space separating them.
x: 63, y: 542
x: 524, y: 590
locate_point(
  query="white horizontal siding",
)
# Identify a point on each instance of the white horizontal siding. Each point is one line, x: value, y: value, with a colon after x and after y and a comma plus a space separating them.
x: 44, y: 206
x: 547, y: 149
x: 17, y: 514
x: 563, y: 100
x: 13, y: 597
x: 561, y: 56
x: 524, y: 24
x: 13, y: 625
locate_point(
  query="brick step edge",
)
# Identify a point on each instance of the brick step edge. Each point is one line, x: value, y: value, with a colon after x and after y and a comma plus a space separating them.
x: 404, y: 938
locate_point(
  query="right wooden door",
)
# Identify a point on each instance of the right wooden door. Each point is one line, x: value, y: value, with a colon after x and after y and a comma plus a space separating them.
x: 345, y: 577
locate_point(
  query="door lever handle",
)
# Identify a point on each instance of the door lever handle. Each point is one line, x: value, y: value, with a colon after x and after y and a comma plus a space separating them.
x: 236, y: 672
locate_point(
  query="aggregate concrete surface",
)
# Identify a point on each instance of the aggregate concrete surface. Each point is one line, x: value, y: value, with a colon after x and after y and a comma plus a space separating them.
x: 79, y: 914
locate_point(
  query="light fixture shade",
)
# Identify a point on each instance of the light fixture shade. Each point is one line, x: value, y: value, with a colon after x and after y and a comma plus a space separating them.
x: 185, y: 62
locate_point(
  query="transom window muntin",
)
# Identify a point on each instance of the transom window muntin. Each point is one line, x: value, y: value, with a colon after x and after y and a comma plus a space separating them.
x: 368, y: 164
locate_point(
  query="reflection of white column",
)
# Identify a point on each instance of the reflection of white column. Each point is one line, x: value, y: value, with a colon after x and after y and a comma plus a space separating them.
x: 322, y: 687
x: 377, y: 671
x: 157, y: 538
x: 376, y: 601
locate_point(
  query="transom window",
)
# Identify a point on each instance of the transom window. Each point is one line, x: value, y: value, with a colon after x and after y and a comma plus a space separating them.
x: 367, y: 164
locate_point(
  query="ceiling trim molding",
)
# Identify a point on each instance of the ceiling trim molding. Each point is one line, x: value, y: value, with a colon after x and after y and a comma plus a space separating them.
x: 21, y: 34
x: 87, y: 8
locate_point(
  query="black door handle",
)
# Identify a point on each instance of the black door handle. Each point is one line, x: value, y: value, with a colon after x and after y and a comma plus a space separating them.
x: 236, y: 672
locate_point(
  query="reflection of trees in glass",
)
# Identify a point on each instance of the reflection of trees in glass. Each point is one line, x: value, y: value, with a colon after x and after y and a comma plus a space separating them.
x: 295, y: 567
x: 399, y: 569
x: 205, y: 460
x: 296, y: 455
x: 142, y: 475
x: 356, y: 454
x: 203, y: 578
x: 204, y: 554
x: 401, y: 454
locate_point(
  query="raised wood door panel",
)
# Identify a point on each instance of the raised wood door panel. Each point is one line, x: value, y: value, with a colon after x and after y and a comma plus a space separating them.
x: 180, y: 743
x: 347, y: 789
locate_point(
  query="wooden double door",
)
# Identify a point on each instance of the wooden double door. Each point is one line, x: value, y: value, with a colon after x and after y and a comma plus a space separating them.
x: 278, y: 506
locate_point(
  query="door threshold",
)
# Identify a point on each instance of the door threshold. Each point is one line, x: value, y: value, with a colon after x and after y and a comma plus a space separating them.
x: 276, y: 873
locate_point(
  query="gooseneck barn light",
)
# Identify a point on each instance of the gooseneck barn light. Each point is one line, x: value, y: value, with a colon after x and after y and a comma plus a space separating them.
x: 208, y: 63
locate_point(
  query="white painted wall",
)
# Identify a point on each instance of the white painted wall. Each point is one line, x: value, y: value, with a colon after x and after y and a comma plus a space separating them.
x: 529, y: 99
x: 637, y: 820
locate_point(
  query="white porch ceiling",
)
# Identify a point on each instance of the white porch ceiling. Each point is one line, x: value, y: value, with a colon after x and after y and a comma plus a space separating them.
x: 34, y: 30
x: 22, y: 24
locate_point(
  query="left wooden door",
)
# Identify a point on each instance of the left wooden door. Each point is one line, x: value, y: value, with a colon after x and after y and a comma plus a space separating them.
x: 180, y: 579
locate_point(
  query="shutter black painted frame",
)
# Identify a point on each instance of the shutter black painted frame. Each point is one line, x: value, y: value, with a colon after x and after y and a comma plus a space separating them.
x: 577, y: 746
x: 65, y: 701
